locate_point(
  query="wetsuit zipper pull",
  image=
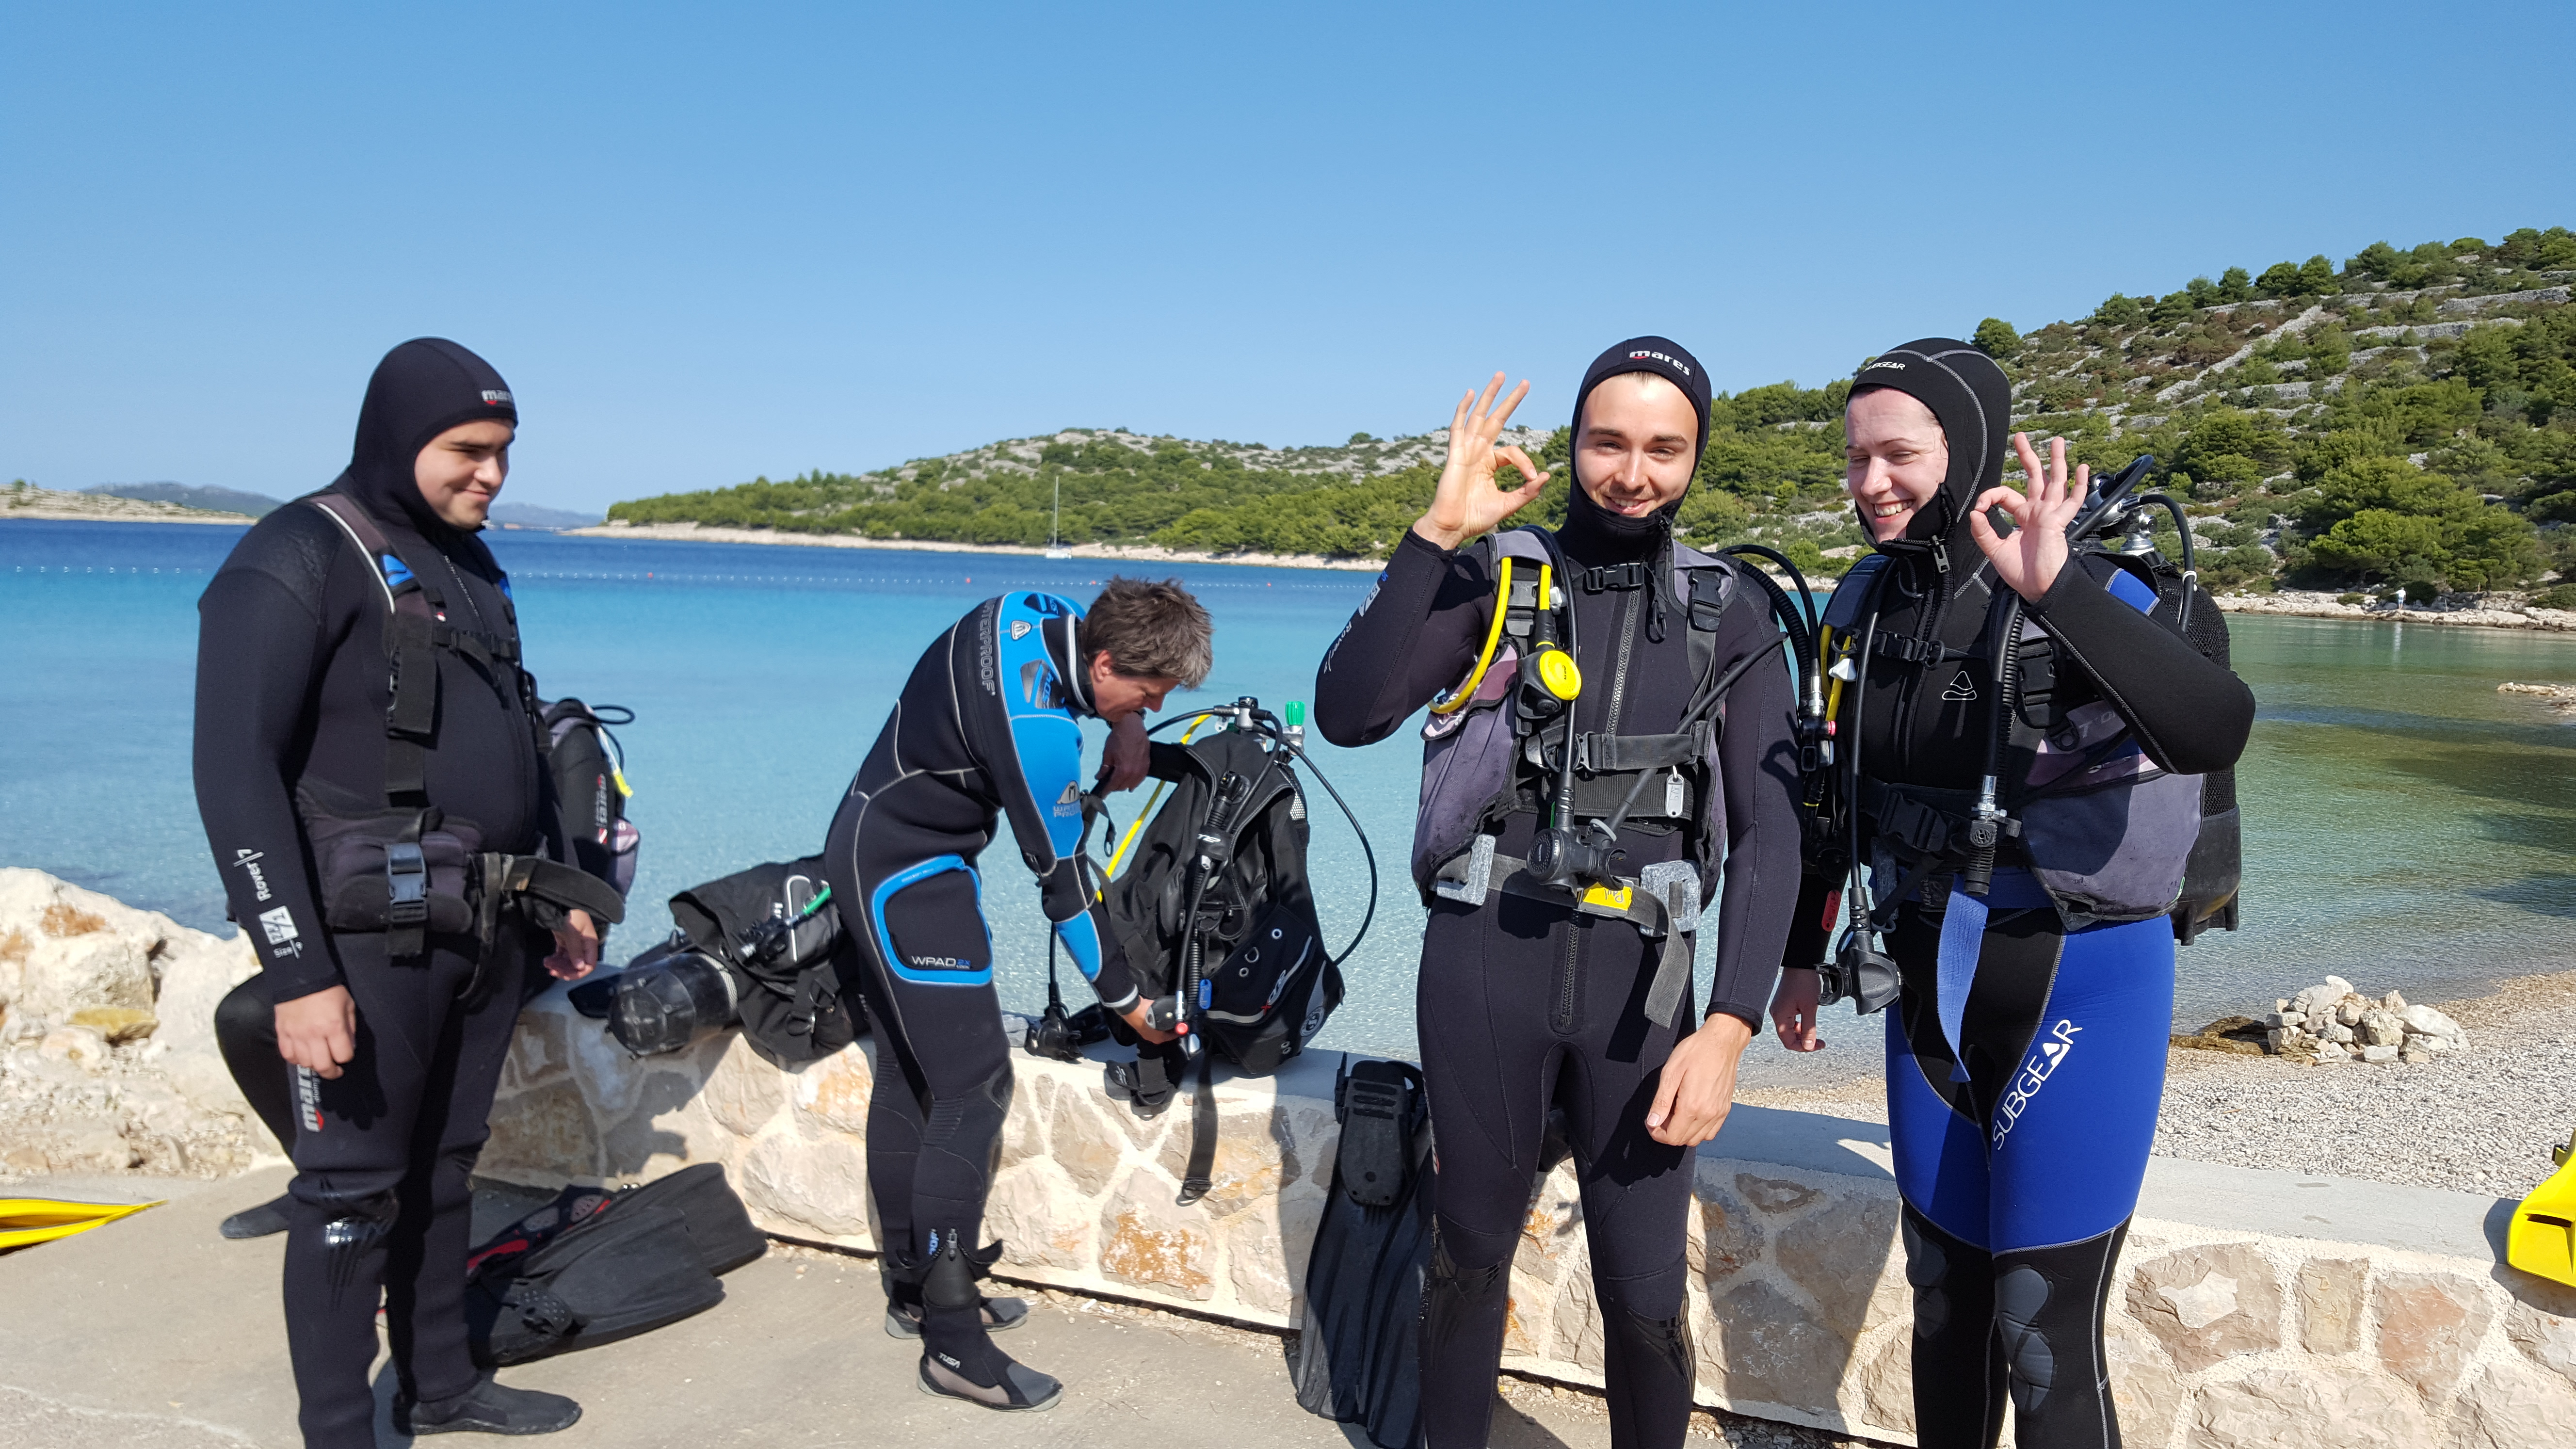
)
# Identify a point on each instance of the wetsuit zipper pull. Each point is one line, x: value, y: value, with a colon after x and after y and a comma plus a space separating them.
x: 1941, y: 557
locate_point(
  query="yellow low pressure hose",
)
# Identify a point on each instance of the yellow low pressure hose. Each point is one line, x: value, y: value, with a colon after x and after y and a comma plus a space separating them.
x: 1456, y: 699
x: 1148, y: 812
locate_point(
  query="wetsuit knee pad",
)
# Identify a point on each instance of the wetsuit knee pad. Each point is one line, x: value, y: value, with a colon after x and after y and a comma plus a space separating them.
x: 972, y: 1116
x: 1454, y: 1294
x: 1661, y: 1346
x: 1948, y: 1275
x: 2049, y: 1305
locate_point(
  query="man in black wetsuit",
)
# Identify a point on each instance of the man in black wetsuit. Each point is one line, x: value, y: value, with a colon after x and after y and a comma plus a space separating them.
x: 1529, y: 996
x: 989, y: 725
x: 365, y: 740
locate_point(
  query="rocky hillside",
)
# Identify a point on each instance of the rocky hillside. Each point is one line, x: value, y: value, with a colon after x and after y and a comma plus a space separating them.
x: 2406, y: 418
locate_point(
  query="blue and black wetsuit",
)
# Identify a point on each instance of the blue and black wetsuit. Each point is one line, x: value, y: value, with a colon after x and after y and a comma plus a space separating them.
x: 2021, y: 1152
x: 989, y: 725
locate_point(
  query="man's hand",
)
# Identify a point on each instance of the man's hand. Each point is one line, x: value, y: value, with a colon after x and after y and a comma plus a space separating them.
x: 1124, y: 760
x: 576, y: 948
x: 1698, y: 1085
x: 1467, y: 503
x: 319, y: 1031
x: 1793, y: 1009
x: 1134, y: 1016
x: 2029, y: 560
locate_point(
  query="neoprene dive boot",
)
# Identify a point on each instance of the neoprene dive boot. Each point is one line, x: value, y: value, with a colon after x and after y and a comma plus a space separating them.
x: 257, y: 1222
x: 900, y: 1273
x: 486, y: 1408
x: 958, y: 1360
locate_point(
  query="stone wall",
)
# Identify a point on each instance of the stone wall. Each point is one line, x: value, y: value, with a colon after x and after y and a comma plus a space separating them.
x: 2246, y: 1313
x: 2221, y: 1335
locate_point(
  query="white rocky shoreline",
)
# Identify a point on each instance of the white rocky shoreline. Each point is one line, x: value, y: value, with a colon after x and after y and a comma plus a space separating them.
x: 1137, y: 553
x: 25, y: 500
x: 2493, y: 611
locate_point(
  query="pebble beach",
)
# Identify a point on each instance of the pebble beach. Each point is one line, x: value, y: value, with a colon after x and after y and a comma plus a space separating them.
x: 2480, y: 1120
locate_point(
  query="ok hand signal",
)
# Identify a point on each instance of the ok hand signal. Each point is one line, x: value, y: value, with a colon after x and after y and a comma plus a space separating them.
x: 1467, y: 503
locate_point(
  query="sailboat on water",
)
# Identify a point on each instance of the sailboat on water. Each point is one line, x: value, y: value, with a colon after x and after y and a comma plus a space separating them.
x: 1055, y: 531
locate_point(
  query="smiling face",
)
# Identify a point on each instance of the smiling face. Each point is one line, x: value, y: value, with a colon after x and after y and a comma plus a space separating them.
x: 1639, y: 444
x: 462, y: 470
x: 1894, y: 460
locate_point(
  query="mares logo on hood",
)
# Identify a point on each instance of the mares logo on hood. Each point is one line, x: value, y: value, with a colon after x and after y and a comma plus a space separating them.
x: 1646, y: 356
x: 497, y: 397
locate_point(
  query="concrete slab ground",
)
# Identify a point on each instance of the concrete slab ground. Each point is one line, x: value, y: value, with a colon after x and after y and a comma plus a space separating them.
x: 154, y: 1333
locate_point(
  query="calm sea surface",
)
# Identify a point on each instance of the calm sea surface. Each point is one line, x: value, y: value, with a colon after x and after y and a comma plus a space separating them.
x: 2406, y: 824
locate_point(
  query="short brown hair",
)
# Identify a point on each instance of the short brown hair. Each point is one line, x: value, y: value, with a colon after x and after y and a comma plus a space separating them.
x: 1151, y: 630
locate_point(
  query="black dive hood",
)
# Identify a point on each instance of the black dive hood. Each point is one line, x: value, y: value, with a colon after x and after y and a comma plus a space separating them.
x: 1973, y: 400
x: 1063, y: 636
x: 421, y: 389
x: 1666, y: 359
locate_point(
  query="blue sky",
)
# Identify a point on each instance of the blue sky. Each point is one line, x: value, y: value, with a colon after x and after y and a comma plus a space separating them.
x: 711, y: 242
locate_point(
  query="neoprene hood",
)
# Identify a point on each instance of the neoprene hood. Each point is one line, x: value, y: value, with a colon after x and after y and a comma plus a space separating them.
x: 420, y: 390
x: 1973, y: 400
x: 1666, y: 359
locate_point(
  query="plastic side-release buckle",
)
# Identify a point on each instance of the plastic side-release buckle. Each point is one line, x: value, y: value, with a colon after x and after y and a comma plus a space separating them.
x: 406, y: 884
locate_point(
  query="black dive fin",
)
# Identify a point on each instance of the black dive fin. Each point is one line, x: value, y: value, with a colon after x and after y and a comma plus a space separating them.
x: 1356, y: 1357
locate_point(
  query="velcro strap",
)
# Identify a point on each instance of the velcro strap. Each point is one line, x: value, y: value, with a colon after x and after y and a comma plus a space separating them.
x: 1595, y: 752
x: 569, y: 887
x: 406, y: 766
x: 411, y: 678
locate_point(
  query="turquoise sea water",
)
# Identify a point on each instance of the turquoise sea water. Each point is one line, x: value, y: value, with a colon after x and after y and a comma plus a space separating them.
x: 2406, y: 824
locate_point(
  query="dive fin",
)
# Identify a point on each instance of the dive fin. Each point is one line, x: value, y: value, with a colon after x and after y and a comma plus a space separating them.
x: 2542, y: 1239
x: 1356, y: 1359
x: 26, y: 1220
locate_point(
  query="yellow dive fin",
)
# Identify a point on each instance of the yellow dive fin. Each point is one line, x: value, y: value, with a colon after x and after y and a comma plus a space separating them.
x: 25, y: 1220
x: 2542, y: 1239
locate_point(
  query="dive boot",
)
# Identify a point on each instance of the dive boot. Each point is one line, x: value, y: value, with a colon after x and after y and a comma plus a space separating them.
x: 958, y: 1360
x: 257, y: 1222
x: 1001, y: 1315
x: 486, y: 1408
x: 901, y: 1277
x: 1147, y: 1090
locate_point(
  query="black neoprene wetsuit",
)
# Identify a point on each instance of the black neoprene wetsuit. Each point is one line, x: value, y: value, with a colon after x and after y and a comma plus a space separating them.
x: 1524, y: 1006
x: 291, y: 721
x: 987, y: 726
x: 2020, y: 1175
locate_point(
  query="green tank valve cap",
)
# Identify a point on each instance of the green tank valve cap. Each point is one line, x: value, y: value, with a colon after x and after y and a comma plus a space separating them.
x: 1296, y: 712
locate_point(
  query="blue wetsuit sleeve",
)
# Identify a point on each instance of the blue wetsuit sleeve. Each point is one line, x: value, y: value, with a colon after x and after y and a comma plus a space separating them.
x: 260, y: 656
x: 1081, y: 923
